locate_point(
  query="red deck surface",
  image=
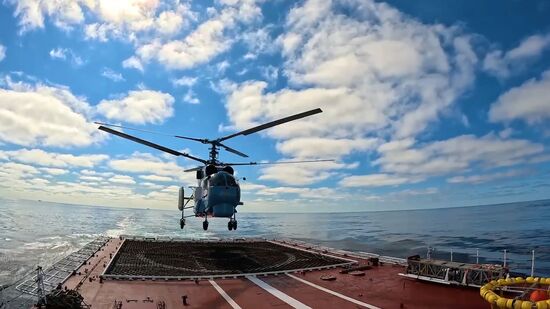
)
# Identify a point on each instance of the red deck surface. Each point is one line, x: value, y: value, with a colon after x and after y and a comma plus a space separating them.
x: 380, y: 287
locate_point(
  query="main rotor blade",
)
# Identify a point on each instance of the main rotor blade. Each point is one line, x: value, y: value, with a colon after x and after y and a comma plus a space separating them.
x: 150, y: 144
x: 280, y: 162
x: 147, y: 131
x: 202, y: 140
x: 193, y: 169
x: 235, y: 151
x: 272, y: 124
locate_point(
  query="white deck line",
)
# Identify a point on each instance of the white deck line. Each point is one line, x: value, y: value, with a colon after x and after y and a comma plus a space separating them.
x: 355, y: 301
x: 280, y: 295
x: 224, y: 295
x: 104, y: 273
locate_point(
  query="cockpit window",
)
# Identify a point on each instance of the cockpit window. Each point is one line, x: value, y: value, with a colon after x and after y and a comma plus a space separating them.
x: 217, y: 180
x: 231, y: 181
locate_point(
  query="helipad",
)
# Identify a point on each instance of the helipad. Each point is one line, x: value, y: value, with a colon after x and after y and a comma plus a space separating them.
x: 178, y: 259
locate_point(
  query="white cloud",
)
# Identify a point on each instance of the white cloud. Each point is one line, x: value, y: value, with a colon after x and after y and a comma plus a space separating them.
x: 99, y: 32
x: 222, y: 66
x: 200, y: 46
x: 58, y: 53
x: 475, y: 179
x: 87, y: 186
x: 503, y: 64
x: 403, y: 161
x: 306, y: 193
x: 376, y: 180
x: 91, y: 178
x: 412, y: 192
x: 2, y: 52
x: 101, y: 19
x: 139, y: 17
x: 259, y: 41
x: 144, y: 163
x: 122, y: 179
x: 44, y: 115
x: 303, y: 173
x: 152, y: 186
x: 528, y: 102
x: 185, y: 81
x: 326, y: 148
x: 127, y: 12
x: 96, y: 173
x: 506, y: 133
x: 250, y: 56
x: 156, y: 178
x: 133, y: 62
x: 54, y: 171
x: 205, y: 42
x: 31, y: 13
x: 53, y: 159
x: 18, y: 170
x: 66, y: 54
x: 191, y: 97
x: 270, y: 73
x: 169, y: 22
x: 112, y: 75
x: 376, y: 72
x: 141, y: 106
x: 455, y: 155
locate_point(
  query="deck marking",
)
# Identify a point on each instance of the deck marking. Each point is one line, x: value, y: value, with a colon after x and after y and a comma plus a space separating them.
x: 224, y: 295
x: 355, y: 301
x: 280, y: 295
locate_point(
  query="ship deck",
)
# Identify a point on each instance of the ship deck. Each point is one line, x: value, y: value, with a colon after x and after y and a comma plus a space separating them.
x: 137, y: 259
x: 134, y: 274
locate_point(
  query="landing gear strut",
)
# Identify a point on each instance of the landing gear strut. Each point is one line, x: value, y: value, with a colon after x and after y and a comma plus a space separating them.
x: 232, y: 224
x: 182, y: 220
x: 205, y: 223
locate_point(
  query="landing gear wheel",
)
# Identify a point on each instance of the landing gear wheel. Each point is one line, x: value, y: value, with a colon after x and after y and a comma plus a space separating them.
x: 182, y: 223
x: 205, y: 225
x: 230, y: 225
x: 235, y: 225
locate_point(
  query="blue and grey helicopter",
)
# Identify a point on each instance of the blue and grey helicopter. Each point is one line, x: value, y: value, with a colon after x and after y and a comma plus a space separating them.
x: 217, y: 193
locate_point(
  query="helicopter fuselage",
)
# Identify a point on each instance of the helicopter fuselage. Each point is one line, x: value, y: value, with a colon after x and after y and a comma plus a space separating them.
x: 217, y: 195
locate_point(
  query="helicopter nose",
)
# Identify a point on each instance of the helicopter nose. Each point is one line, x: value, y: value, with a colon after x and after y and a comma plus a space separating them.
x: 223, y: 210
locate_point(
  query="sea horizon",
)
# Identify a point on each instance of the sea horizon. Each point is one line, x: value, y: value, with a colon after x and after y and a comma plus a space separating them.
x: 35, y: 235
x: 529, y: 202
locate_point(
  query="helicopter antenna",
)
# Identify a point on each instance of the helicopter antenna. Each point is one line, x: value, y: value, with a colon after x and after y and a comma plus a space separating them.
x: 280, y: 162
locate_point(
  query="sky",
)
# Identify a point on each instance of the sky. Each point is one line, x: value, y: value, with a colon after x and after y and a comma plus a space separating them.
x: 425, y: 103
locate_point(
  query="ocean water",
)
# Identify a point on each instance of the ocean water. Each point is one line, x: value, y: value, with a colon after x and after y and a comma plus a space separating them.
x: 33, y: 233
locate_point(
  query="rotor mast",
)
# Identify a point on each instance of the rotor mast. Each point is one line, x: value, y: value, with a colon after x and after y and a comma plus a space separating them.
x: 213, y: 154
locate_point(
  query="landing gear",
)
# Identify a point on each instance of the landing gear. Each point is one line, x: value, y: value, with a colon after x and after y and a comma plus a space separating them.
x: 205, y: 224
x: 182, y: 220
x: 232, y: 224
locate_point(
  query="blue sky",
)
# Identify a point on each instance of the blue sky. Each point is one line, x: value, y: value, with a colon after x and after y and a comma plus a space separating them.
x: 426, y: 104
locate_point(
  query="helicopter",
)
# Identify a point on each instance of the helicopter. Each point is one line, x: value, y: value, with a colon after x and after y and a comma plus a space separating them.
x: 217, y: 193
